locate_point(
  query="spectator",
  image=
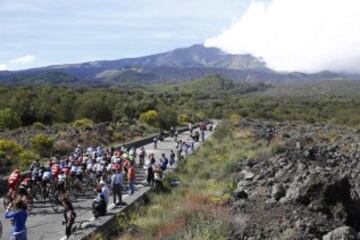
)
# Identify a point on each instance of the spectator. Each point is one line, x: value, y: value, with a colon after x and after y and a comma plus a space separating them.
x: 131, y: 179
x: 202, y: 131
x: 150, y: 174
x: 172, y: 157
x: 105, y: 191
x: 117, y: 181
x: 158, y: 176
x: 18, y: 219
x: 164, y: 162
x: 155, y: 140
x: 99, y: 205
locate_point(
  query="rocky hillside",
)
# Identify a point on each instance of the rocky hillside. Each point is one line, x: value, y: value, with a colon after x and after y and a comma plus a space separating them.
x: 308, y: 189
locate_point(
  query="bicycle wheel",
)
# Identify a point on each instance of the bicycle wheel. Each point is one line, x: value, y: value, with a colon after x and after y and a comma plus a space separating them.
x: 54, y: 201
x: 37, y: 193
x: 29, y: 203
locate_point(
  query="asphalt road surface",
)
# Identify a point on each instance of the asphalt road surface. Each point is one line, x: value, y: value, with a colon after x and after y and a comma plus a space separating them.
x: 44, y: 224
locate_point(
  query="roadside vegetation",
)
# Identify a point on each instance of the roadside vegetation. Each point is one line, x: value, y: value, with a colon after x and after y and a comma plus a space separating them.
x: 62, y: 116
x: 198, y: 207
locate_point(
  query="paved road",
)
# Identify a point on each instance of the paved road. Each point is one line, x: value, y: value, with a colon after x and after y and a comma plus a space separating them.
x: 44, y: 224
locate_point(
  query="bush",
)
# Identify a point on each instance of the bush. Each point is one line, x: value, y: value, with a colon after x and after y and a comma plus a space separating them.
x: 39, y: 126
x: 184, y: 119
x: 234, y: 118
x: 9, y: 119
x: 9, y: 152
x: 83, y: 123
x: 27, y: 157
x: 42, y: 144
x: 150, y: 117
x: 10, y: 148
x: 199, y: 116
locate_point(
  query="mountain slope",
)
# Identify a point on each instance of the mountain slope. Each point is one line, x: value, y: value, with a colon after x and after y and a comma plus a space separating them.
x: 180, y: 64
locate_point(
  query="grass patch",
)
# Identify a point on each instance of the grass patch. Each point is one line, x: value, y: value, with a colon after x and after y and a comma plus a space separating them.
x: 198, y: 208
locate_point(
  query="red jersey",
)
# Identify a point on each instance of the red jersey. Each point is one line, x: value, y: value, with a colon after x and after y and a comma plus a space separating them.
x: 55, y: 169
x: 26, y: 182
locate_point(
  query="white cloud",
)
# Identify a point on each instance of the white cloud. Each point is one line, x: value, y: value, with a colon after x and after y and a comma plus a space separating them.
x: 3, y: 67
x: 298, y: 35
x: 25, y: 60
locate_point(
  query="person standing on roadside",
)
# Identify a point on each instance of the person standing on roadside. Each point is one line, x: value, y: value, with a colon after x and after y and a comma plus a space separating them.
x: 202, y: 132
x: 150, y: 174
x: 18, y: 219
x: 131, y: 179
x: 117, y: 180
x: 172, y: 157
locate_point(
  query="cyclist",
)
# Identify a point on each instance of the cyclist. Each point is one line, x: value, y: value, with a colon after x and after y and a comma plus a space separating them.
x: 24, y: 187
x: 55, y: 170
x: 69, y: 214
x: 34, y: 165
x: 61, y: 182
x: 46, y: 179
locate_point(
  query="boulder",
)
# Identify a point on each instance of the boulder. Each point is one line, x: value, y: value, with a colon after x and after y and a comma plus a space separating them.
x: 341, y: 233
x: 278, y: 191
x: 240, y: 193
x: 247, y: 174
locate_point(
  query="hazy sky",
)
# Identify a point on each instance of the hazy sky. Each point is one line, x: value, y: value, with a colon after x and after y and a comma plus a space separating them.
x: 44, y: 32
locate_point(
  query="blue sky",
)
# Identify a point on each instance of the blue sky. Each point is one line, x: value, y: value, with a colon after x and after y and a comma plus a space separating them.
x: 44, y: 32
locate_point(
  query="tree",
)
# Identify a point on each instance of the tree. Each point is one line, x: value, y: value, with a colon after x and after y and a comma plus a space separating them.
x: 150, y: 117
x: 96, y: 109
x: 167, y: 117
x: 9, y: 119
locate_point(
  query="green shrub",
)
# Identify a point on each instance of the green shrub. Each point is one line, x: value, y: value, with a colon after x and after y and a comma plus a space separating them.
x: 183, y: 119
x: 39, y: 126
x: 10, y: 148
x: 150, y: 117
x: 27, y: 157
x: 83, y: 123
x: 234, y: 118
x: 9, y: 119
x: 42, y: 144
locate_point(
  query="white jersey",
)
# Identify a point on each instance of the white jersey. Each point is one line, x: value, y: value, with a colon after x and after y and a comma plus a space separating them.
x: 109, y: 167
x: 79, y: 170
x: 89, y: 166
x: 132, y: 152
x: 46, y: 176
x: 100, y: 168
x: 62, y: 178
x: 73, y: 169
